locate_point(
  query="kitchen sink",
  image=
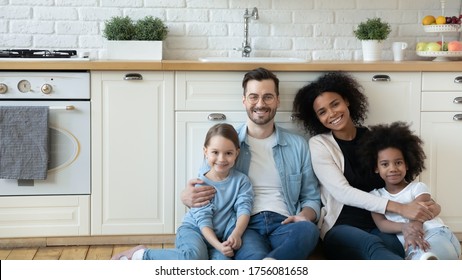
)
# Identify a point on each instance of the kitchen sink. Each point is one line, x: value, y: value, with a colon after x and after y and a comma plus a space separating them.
x: 254, y: 59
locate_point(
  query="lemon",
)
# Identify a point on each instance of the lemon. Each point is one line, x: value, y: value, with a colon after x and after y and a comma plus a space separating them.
x: 427, y: 20
x: 440, y: 20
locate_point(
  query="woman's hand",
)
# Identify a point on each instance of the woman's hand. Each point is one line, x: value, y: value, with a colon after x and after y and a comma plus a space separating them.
x: 434, y: 207
x: 418, y: 211
x: 193, y: 196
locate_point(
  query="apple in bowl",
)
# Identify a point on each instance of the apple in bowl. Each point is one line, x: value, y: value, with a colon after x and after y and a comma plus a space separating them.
x: 455, y: 46
x: 421, y: 46
x: 432, y: 47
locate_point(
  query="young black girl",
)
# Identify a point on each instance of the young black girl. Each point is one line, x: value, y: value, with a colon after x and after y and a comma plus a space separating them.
x: 396, y: 154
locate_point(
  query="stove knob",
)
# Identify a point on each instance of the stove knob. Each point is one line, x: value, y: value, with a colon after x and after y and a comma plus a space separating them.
x: 47, y: 88
x: 3, y: 88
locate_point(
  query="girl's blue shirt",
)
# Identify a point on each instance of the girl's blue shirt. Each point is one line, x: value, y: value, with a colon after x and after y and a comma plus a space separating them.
x: 233, y: 198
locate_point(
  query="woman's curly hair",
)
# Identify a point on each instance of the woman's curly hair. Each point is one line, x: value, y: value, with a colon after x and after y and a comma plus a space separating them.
x: 338, y: 82
x: 396, y: 135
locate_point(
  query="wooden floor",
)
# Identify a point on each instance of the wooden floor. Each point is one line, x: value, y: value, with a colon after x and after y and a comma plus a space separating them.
x: 87, y: 252
x: 93, y: 252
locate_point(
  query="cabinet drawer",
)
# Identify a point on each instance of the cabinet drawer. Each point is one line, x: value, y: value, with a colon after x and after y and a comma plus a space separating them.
x: 198, y: 91
x: 441, y: 101
x: 442, y: 81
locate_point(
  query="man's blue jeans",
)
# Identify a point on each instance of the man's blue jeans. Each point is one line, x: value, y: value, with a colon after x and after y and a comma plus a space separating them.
x: 266, y: 237
x: 344, y: 242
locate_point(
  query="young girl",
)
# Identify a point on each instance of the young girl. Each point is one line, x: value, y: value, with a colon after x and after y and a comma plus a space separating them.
x: 213, y: 231
x: 397, y: 156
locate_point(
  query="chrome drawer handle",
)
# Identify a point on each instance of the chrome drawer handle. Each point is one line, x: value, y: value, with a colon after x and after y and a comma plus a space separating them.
x: 457, y: 100
x: 67, y: 108
x: 133, y: 77
x: 458, y: 80
x: 457, y: 117
x: 216, y: 117
x: 381, y: 78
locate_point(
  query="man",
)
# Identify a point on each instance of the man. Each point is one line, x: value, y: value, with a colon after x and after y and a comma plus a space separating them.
x: 287, y: 199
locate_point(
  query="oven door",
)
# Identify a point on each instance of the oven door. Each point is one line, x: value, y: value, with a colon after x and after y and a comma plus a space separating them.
x: 69, y: 151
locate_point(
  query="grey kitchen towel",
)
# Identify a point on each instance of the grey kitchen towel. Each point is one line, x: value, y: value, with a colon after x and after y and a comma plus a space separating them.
x: 23, y: 142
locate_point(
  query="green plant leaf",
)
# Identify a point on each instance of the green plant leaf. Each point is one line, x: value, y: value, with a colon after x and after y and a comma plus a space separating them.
x: 146, y: 29
x: 150, y: 29
x: 119, y: 28
x: 372, y: 29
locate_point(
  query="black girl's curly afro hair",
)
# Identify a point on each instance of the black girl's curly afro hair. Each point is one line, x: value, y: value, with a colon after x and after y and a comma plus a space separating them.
x: 339, y: 82
x: 396, y: 135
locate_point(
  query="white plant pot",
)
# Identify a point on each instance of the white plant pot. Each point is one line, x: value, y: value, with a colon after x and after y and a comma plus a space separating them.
x: 134, y: 50
x: 372, y: 50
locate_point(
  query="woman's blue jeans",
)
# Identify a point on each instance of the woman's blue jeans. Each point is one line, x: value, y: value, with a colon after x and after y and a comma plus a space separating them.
x: 189, y: 245
x: 344, y: 242
x: 266, y: 237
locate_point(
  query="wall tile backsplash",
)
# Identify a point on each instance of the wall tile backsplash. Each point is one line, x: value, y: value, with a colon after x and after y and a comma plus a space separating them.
x: 309, y: 29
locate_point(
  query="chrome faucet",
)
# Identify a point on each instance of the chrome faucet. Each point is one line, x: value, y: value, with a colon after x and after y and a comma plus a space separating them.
x: 246, y: 48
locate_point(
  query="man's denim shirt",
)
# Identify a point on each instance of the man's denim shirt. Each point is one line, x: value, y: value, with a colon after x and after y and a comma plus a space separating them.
x: 293, y: 160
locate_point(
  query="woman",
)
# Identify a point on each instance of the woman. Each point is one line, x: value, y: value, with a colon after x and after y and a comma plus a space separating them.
x: 332, y: 109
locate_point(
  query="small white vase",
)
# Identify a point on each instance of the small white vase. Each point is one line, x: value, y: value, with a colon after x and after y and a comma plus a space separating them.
x: 372, y: 50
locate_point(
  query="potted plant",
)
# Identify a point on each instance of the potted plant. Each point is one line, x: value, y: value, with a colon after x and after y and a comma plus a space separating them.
x: 371, y: 33
x: 140, y: 40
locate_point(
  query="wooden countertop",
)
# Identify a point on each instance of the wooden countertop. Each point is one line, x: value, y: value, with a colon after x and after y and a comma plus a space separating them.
x: 192, y: 65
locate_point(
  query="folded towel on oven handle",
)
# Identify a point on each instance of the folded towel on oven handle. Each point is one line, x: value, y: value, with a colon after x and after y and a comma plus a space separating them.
x: 23, y: 142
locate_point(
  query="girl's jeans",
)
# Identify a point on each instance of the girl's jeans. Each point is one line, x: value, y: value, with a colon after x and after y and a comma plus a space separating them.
x: 443, y: 243
x: 266, y: 237
x: 189, y: 245
x: 344, y: 242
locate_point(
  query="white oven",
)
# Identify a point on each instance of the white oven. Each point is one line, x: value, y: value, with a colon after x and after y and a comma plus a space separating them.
x: 67, y: 96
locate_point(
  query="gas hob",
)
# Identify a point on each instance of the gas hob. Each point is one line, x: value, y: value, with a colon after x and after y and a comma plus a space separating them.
x: 35, y: 55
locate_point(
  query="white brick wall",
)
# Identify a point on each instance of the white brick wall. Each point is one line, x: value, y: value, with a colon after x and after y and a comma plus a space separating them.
x: 311, y: 29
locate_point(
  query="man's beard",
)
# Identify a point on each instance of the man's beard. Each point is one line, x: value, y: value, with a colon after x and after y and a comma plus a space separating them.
x: 261, y: 120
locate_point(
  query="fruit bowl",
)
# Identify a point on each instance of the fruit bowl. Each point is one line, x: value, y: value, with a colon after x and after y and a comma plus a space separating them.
x: 442, y: 28
x: 440, y: 55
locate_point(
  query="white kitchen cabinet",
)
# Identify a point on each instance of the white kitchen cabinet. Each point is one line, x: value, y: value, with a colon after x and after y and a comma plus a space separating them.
x: 222, y: 91
x: 132, y: 152
x: 44, y: 216
x: 441, y: 129
x: 204, y: 98
x: 392, y: 96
